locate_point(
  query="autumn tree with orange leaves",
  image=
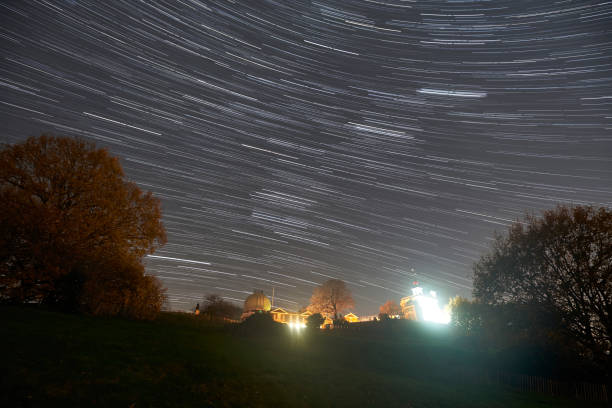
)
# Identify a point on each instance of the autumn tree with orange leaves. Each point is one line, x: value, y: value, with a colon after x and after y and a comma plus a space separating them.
x: 390, y: 308
x: 331, y: 298
x: 73, y: 231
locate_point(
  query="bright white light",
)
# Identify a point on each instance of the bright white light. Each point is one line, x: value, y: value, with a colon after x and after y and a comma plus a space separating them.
x: 417, y: 291
x: 430, y: 310
x: 296, y: 325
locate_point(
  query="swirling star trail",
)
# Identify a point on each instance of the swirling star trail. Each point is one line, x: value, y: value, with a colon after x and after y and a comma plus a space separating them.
x: 292, y: 141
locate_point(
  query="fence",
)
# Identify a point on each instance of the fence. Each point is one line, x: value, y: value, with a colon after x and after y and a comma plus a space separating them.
x: 530, y: 383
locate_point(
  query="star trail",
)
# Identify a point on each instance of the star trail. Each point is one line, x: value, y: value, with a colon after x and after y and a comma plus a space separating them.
x: 378, y: 142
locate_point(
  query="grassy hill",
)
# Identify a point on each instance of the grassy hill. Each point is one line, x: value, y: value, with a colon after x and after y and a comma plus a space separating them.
x: 51, y: 359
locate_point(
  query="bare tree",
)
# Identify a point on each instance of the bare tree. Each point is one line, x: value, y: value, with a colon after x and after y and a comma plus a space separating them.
x: 331, y: 298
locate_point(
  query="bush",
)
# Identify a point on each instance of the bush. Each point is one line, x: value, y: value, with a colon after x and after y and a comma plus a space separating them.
x: 314, y: 321
x: 121, y: 289
x: 261, y: 323
x: 216, y: 308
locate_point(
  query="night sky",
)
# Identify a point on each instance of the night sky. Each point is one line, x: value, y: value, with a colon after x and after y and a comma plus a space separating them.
x: 378, y: 142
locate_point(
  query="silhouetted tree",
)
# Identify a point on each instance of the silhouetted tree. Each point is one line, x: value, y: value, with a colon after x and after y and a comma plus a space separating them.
x: 315, y: 320
x: 67, y: 210
x: 390, y: 308
x: 383, y: 317
x: 215, y: 307
x: 466, y: 315
x: 340, y: 322
x: 261, y: 324
x: 331, y: 298
x: 561, y: 264
x: 119, y: 287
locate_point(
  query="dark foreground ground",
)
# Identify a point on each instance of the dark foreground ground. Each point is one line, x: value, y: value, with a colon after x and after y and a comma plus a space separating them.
x: 50, y: 359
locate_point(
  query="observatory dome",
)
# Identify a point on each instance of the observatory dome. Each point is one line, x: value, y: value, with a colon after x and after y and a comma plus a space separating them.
x: 257, y: 302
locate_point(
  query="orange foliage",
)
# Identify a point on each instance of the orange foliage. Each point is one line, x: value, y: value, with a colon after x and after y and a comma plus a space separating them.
x: 390, y: 308
x: 331, y: 298
x: 119, y: 287
x: 66, y: 206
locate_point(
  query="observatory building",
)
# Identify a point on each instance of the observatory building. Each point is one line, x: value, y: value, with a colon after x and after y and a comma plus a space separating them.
x: 257, y: 302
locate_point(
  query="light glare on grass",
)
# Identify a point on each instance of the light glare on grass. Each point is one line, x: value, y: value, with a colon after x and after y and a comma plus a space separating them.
x: 296, y: 326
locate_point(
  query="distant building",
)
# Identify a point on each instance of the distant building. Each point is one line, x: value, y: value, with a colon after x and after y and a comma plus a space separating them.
x: 282, y: 316
x: 351, y: 318
x: 327, y: 323
x: 256, y: 303
x: 408, y: 305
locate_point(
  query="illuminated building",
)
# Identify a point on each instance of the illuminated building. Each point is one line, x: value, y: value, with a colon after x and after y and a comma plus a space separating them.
x: 408, y: 308
x: 424, y: 307
x: 256, y: 303
x: 351, y: 318
x: 282, y: 316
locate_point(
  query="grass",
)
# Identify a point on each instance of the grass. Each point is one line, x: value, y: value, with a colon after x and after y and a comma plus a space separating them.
x: 51, y: 359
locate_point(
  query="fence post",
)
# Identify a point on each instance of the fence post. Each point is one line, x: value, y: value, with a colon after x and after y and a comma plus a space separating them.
x: 576, y: 390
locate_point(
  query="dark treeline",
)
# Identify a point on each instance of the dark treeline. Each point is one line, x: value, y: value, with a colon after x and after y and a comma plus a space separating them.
x: 217, y: 308
x: 74, y: 231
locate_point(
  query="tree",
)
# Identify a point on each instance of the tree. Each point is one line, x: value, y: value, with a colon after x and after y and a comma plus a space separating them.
x: 390, y: 308
x: 331, y: 298
x: 261, y: 324
x: 66, y: 211
x: 466, y: 315
x: 120, y: 287
x: 561, y: 264
x: 315, y: 320
x: 215, y: 307
x: 383, y: 317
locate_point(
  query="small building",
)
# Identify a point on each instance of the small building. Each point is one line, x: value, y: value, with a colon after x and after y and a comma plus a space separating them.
x: 351, y: 318
x: 348, y: 318
x: 283, y: 316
